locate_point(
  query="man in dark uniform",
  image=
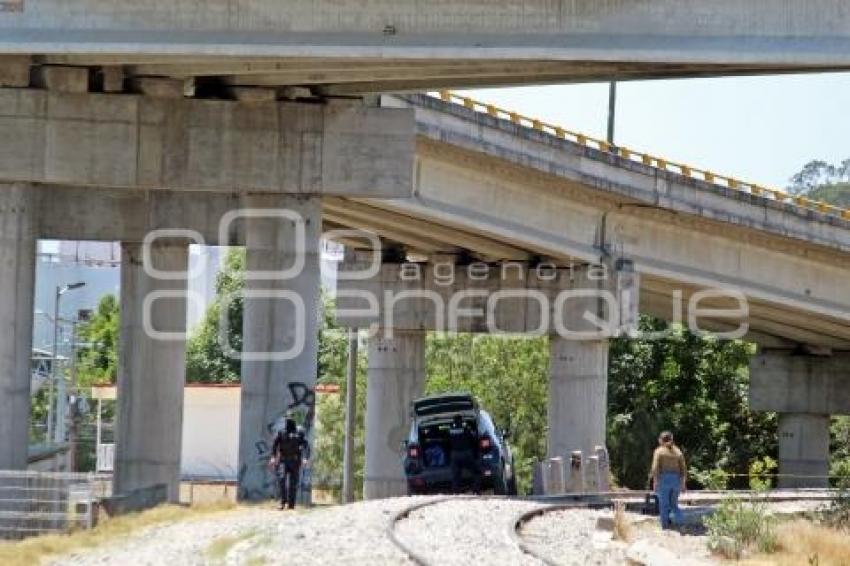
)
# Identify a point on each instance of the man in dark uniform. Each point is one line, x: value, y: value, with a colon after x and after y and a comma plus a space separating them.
x: 289, y: 449
x: 463, y: 442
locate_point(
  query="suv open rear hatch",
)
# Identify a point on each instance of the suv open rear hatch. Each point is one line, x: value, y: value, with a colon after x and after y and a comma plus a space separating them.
x: 443, y: 404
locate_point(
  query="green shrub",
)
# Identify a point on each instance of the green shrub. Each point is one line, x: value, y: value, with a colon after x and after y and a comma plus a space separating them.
x: 738, y: 526
x: 839, y: 471
x: 715, y: 479
x: 761, y: 471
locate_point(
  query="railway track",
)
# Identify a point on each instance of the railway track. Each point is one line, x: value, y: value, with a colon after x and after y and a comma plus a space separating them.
x: 494, y: 538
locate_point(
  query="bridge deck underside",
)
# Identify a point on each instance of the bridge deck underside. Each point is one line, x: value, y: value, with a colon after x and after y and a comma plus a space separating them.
x: 341, y: 76
x: 771, y: 324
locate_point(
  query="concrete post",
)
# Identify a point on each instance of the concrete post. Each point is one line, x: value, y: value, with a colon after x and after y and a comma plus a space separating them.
x: 17, y: 277
x: 151, y: 370
x: 280, y: 329
x: 803, y: 450
x: 578, y: 387
x: 396, y: 377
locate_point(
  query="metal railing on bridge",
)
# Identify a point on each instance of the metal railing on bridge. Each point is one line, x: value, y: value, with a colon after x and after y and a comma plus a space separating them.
x: 644, y: 158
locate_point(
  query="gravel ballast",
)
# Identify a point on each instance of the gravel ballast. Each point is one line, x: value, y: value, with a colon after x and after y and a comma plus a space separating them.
x: 466, y: 531
x: 443, y: 531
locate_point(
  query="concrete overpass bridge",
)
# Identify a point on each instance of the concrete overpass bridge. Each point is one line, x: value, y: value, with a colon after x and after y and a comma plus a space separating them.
x: 360, y: 46
x: 495, y: 187
x: 162, y: 125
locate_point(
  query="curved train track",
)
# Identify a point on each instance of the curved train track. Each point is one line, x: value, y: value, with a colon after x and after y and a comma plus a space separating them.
x: 511, y: 530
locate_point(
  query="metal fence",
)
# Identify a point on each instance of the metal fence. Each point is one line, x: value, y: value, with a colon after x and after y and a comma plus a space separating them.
x: 33, y: 503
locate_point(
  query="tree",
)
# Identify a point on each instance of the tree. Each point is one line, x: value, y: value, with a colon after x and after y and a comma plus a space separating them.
x: 97, y: 361
x: 206, y: 362
x: 693, y: 385
x: 823, y: 181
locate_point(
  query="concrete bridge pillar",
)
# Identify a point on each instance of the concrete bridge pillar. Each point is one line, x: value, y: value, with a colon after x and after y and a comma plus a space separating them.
x: 151, y: 369
x: 17, y: 279
x: 396, y: 376
x: 803, y: 450
x: 805, y: 390
x: 280, y: 328
x: 578, y: 393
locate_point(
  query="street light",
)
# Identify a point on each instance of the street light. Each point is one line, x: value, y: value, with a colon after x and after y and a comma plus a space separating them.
x: 58, y: 434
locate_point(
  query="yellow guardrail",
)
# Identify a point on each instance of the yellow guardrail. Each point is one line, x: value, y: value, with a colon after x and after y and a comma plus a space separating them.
x: 645, y: 158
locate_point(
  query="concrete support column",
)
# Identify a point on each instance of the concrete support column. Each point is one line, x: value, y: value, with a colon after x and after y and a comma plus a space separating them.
x: 803, y: 450
x: 805, y: 390
x: 578, y: 390
x: 280, y: 329
x: 396, y: 376
x: 151, y: 369
x: 17, y: 279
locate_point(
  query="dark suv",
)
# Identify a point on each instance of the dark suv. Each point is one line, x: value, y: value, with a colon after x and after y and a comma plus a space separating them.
x: 427, y: 463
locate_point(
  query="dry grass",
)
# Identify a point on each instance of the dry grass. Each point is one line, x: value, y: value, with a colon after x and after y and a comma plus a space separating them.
x: 622, y: 526
x: 802, y: 542
x: 217, y: 551
x: 34, y: 550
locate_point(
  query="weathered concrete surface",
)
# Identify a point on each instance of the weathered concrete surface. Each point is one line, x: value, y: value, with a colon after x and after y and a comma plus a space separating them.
x: 86, y: 213
x: 111, y: 140
x: 803, y: 450
x: 578, y: 394
x: 280, y: 329
x: 135, y: 500
x: 789, y: 382
x: 396, y: 44
x: 395, y: 378
x: 151, y: 370
x: 17, y: 281
x: 509, y: 297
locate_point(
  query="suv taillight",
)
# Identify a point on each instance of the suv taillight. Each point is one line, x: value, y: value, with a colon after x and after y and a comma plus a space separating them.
x: 485, y: 443
x: 413, y: 451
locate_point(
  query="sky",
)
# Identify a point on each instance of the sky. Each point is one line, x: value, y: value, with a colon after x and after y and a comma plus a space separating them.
x: 758, y: 129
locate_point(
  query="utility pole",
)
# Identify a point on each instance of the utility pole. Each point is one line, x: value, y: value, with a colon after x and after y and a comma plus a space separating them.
x: 74, y: 414
x: 350, y: 418
x: 61, y: 395
x: 612, y: 108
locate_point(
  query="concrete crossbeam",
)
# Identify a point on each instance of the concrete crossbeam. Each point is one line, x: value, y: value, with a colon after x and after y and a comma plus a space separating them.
x: 17, y: 281
x: 139, y: 142
x: 15, y: 70
x: 280, y: 329
x: 151, y: 370
x: 788, y: 382
x: 395, y: 378
x: 508, y: 297
x: 63, y: 79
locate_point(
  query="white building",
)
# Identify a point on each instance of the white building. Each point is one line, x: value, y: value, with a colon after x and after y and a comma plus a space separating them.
x: 210, y: 431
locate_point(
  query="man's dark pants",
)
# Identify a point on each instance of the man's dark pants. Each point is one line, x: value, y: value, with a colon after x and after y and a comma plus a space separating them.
x: 290, y: 475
